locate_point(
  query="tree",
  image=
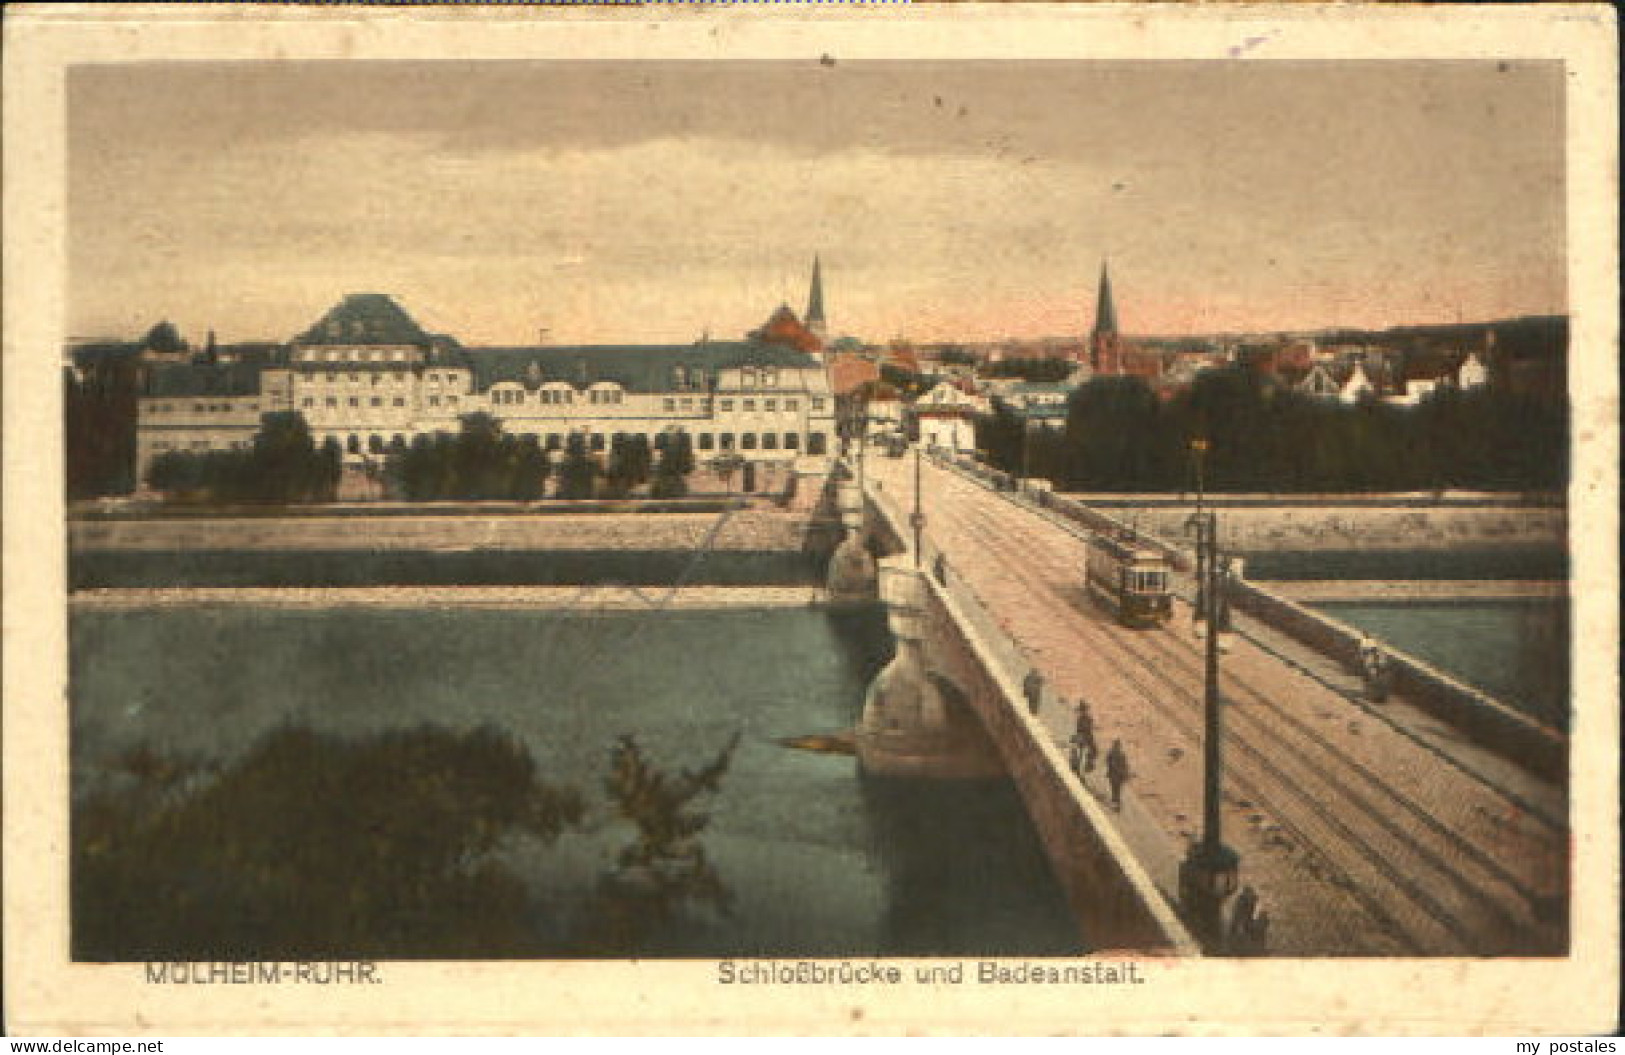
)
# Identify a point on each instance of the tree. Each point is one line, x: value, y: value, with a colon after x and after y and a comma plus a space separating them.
x: 664, y: 867
x: 315, y: 846
x: 726, y: 465
x: 479, y: 463
x: 629, y: 464
x: 578, y: 471
x: 676, y: 462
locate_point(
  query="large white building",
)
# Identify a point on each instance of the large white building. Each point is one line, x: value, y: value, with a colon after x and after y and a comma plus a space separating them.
x: 369, y: 378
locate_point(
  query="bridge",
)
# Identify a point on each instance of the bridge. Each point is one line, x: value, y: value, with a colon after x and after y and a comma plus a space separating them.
x: 1433, y: 823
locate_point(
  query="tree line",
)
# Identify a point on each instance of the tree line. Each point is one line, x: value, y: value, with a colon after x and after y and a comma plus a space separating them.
x: 477, y: 463
x: 391, y: 844
x: 1120, y: 437
x: 283, y: 464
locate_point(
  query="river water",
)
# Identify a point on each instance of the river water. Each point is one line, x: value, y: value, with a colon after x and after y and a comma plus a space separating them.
x: 1515, y: 650
x: 821, y: 861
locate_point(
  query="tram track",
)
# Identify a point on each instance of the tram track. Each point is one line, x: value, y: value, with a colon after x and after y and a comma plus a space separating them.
x: 1183, y: 721
x: 1368, y: 778
x: 1373, y: 844
x: 1519, y: 805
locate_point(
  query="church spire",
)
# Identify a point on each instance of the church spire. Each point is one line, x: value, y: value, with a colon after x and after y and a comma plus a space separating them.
x: 1105, y: 310
x: 815, y: 301
x: 1105, y: 350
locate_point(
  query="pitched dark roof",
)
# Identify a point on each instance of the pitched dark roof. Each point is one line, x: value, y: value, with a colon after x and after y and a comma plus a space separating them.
x: 205, y: 379
x: 638, y: 368
x: 365, y: 318
x: 95, y: 352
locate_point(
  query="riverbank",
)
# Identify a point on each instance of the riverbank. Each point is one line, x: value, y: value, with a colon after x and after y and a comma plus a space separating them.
x: 1426, y: 591
x: 580, y: 600
x: 755, y: 529
x: 1349, y: 524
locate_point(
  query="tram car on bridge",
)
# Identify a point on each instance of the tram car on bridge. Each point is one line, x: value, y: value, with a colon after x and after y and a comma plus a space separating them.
x: 1130, y: 577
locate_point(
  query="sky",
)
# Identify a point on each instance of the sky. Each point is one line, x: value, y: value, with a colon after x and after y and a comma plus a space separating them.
x: 659, y: 201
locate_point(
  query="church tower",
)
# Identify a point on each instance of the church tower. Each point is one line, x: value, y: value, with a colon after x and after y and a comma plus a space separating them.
x: 1105, y: 346
x: 815, y: 303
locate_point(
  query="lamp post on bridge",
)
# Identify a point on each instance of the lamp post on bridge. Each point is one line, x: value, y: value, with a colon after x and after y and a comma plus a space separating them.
x: 916, y: 519
x: 1209, y: 872
x: 1200, y: 523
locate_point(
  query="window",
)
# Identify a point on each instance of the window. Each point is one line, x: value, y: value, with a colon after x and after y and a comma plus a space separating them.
x: 816, y: 442
x: 706, y: 441
x: 198, y: 408
x: 792, y: 404
x: 307, y: 402
x: 451, y: 401
x: 354, y: 378
x: 332, y: 401
x: 434, y: 377
x: 727, y: 441
x: 770, y: 377
x: 354, y: 402
x: 749, y: 406
x: 331, y: 377
x: 668, y: 405
x: 747, y: 377
x: 377, y: 402
x: 792, y: 441
x: 770, y: 404
x: 662, y: 441
x: 748, y: 441
x: 434, y: 401
x: 354, y: 444
x: 554, y: 441
x: 400, y: 401
x: 727, y: 404
x: 687, y: 403
x: 770, y: 441
x: 597, y: 441
x: 377, y: 379
x: 817, y: 403
x: 375, y: 444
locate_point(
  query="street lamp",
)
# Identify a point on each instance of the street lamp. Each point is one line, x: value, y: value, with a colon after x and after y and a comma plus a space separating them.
x: 1201, y: 523
x: 917, y: 519
x: 1209, y: 872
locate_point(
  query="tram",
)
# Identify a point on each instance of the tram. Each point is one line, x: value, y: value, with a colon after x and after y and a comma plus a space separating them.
x: 1129, y: 577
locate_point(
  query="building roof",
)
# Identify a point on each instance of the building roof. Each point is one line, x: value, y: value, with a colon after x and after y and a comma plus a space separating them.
x: 785, y: 329
x: 365, y: 318
x: 205, y: 379
x: 637, y: 368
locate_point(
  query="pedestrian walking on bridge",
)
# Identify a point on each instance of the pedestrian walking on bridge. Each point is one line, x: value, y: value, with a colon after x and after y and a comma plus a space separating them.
x: 1084, y: 748
x: 1033, y: 689
x: 1117, y: 772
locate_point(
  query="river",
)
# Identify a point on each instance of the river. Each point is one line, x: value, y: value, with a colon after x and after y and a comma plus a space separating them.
x: 1515, y: 650
x: 822, y: 862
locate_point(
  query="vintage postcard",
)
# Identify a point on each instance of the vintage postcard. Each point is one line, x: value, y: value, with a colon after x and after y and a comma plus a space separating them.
x: 860, y: 519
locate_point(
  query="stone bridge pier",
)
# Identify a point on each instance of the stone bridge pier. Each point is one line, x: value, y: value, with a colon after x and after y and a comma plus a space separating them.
x: 917, y: 720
